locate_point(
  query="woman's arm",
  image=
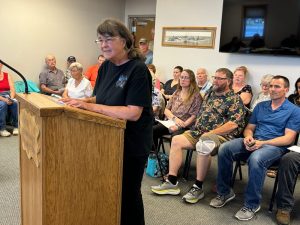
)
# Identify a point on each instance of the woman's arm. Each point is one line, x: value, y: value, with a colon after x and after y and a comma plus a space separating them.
x: 12, y: 87
x: 246, y: 97
x: 65, y: 94
x: 130, y: 112
x: 189, y: 121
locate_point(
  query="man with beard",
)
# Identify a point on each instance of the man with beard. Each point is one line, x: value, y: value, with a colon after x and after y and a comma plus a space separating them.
x: 273, y: 127
x: 221, y: 118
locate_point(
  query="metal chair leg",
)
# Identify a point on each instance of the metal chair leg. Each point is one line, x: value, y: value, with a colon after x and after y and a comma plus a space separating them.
x: 187, y: 164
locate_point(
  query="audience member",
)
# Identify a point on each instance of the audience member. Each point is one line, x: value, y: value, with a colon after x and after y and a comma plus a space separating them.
x: 52, y: 80
x: 264, y: 94
x: 240, y: 87
x: 295, y: 98
x: 123, y: 90
x: 182, y: 108
x: 155, y: 80
x: 289, y: 169
x: 158, y: 103
x: 221, y: 118
x: 144, y: 47
x: 78, y: 86
x: 70, y: 60
x: 171, y: 85
x: 202, y: 81
x: 92, y: 72
x: 8, y: 104
x: 272, y: 127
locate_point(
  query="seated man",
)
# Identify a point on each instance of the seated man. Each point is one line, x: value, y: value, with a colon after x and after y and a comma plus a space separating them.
x: 144, y: 47
x: 202, y: 82
x: 70, y: 60
x: 287, y: 177
x: 272, y: 127
x: 92, y: 72
x: 52, y: 80
x: 221, y: 118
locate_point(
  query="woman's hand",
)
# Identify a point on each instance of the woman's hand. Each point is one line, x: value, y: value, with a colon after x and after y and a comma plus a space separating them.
x: 74, y: 103
x: 172, y: 129
x: 179, y: 122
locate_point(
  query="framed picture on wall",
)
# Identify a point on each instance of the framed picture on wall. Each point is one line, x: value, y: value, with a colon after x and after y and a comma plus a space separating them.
x: 189, y: 37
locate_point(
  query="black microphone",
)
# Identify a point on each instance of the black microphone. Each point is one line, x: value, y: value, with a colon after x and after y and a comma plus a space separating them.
x: 17, y: 72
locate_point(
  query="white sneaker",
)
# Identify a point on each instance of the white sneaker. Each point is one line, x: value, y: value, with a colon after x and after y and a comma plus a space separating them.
x: 4, y: 133
x: 15, y: 131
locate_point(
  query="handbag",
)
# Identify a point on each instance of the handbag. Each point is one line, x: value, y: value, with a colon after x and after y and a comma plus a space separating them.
x: 158, y: 165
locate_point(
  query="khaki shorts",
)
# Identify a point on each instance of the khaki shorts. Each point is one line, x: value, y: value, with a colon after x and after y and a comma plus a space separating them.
x: 213, y: 137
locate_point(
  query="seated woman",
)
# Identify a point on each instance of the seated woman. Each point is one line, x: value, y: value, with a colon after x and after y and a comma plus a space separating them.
x: 158, y: 103
x: 295, y: 98
x: 78, y: 86
x: 264, y: 94
x: 171, y: 85
x: 240, y: 87
x: 8, y: 105
x: 155, y: 80
x: 182, y: 108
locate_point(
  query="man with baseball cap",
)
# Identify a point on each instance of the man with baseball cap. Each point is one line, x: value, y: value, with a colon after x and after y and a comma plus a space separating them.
x: 144, y: 47
x: 70, y: 60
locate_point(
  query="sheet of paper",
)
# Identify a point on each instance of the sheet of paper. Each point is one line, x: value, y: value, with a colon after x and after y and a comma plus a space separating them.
x: 294, y: 148
x: 166, y: 123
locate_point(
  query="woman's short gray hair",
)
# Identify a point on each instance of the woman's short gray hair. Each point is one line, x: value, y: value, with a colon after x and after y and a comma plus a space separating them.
x: 267, y: 78
x: 76, y: 65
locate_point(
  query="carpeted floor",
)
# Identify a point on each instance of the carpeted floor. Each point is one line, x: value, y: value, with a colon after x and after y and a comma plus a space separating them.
x: 159, y: 210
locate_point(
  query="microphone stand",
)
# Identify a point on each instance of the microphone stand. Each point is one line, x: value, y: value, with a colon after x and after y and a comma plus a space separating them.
x: 17, y: 72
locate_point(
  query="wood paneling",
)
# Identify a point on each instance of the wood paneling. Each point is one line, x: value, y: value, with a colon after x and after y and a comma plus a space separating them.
x: 79, y: 179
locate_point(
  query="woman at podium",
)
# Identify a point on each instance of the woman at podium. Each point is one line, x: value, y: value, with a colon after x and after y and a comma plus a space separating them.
x: 123, y: 90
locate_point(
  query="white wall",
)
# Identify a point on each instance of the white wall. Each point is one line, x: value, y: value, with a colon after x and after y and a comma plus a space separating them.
x: 139, y: 7
x: 209, y: 13
x: 31, y: 29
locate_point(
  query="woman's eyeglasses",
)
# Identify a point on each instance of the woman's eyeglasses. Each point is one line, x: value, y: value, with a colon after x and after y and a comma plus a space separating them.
x: 107, y: 40
x: 265, y: 85
x: 184, y: 78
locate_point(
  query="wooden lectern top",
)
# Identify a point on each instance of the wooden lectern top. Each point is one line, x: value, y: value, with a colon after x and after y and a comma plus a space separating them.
x: 44, y: 105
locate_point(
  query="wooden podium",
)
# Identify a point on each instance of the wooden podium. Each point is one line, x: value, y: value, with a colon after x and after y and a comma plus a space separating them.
x: 70, y: 164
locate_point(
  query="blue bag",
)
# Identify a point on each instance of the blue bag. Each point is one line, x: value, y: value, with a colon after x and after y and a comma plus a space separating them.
x: 153, y: 169
x: 20, y: 86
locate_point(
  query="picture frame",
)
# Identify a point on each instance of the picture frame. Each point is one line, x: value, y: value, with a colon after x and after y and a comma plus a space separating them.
x: 189, y: 37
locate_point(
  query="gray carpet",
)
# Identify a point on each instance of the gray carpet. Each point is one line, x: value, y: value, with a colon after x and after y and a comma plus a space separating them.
x: 159, y: 210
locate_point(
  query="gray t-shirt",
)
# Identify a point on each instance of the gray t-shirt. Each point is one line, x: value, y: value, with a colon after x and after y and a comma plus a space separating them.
x: 54, y: 80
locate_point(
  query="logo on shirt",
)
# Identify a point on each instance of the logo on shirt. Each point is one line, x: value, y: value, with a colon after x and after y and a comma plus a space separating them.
x: 121, y: 81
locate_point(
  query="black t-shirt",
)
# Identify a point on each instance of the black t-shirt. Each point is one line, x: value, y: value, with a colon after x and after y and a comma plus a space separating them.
x: 128, y: 84
x: 168, y: 89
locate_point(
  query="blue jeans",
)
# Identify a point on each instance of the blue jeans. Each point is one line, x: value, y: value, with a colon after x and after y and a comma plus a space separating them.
x: 287, y: 178
x: 258, y: 163
x: 11, y: 110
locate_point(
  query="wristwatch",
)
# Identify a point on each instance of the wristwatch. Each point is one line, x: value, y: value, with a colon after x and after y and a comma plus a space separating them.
x: 174, y: 118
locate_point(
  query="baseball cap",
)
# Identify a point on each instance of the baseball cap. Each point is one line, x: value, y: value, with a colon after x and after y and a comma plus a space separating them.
x: 143, y: 40
x: 71, y: 59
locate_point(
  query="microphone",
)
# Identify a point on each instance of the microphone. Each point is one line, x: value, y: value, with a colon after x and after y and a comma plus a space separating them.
x: 17, y: 72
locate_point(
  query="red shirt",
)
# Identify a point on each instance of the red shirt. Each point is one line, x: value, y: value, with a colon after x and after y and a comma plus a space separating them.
x: 92, y: 73
x: 4, y: 84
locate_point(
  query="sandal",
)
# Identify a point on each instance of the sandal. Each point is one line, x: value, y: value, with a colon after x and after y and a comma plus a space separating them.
x: 272, y: 173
